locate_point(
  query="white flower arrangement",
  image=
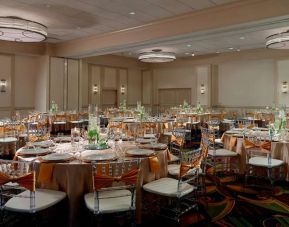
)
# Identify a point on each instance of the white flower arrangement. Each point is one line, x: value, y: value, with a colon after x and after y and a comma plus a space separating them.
x: 199, y: 108
x: 122, y: 105
x: 54, y: 107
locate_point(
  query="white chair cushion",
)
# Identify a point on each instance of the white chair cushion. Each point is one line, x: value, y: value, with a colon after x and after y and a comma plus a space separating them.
x: 149, y: 136
x: 218, y: 141
x: 110, y: 201
x: 263, y: 162
x: 223, y: 153
x: 43, y: 199
x: 168, y: 133
x: 174, y: 170
x: 59, y: 122
x: 168, y: 187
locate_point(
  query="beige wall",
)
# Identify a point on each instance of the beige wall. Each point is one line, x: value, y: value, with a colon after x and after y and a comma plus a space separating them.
x: 245, y: 79
x: 21, y: 72
x: 25, y: 78
x: 247, y: 83
x: 175, y: 77
x: 134, y: 91
x: 283, y: 76
x: 64, y: 83
x: 111, y: 72
x: 42, y: 84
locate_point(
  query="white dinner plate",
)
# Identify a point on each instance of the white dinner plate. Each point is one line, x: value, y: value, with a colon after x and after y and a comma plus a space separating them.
x: 99, y: 157
x: 33, y: 151
x: 8, y: 140
x: 157, y: 146
x: 96, y: 147
x: 57, y: 157
x: 140, y: 152
x: 44, y: 144
x: 145, y: 140
x: 62, y: 139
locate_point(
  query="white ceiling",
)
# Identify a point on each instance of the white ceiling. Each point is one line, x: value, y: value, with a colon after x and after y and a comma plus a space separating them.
x: 72, y: 19
x: 224, y: 40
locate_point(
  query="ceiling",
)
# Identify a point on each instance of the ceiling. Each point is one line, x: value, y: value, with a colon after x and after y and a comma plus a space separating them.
x: 72, y: 19
x: 225, y: 40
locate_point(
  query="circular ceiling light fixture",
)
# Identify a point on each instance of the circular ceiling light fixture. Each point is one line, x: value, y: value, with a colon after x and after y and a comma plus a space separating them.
x: 278, y: 41
x: 156, y: 56
x: 21, y: 30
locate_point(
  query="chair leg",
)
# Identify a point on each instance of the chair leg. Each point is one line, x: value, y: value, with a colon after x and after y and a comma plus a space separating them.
x: 269, y: 174
x: 132, y: 218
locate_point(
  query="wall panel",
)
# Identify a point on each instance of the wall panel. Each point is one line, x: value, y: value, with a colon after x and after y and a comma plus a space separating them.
x: 6, y: 73
x: 56, y: 85
x: 72, y: 84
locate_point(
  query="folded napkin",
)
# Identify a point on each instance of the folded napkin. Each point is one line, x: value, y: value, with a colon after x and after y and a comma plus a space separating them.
x: 233, y: 142
x: 170, y: 156
x: 45, y: 173
x: 154, y: 164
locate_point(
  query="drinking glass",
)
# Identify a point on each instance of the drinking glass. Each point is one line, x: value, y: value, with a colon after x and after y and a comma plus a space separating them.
x: 75, y: 136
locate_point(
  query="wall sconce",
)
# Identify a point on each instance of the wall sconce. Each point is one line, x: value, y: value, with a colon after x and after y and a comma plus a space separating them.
x: 3, y: 85
x: 202, y: 89
x: 284, y: 88
x: 95, y: 89
x: 122, y: 89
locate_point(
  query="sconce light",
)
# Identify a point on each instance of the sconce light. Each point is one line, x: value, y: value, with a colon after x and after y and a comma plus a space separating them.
x: 95, y: 89
x: 122, y: 89
x: 284, y: 87
x: 3, y: 85
x: 202, y: 89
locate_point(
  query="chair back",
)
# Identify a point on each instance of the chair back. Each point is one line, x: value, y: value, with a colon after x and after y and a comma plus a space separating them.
x: 190, y: 164
x: 208, y: 137
x: 115, y: 175
x: 258, y: 145
x: 177, y: 141
x: 16, y: 177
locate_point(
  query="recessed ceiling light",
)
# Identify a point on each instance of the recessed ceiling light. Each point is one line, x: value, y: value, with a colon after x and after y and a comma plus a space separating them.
x: 242, y: 37
x: 238, y: 50
x: 193, y: 54
x: 231, y: 48
x: 131, y: 13
x: 189, y: 45
x: 217, y: 52
x: 187, y: 53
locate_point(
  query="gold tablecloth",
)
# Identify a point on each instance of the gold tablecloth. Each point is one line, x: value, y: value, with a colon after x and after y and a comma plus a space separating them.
x: 280, y: 150
x: 75, y: 178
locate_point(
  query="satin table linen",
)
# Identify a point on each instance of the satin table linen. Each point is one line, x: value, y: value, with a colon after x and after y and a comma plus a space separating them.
x: 280, y: 150
x: 75, y: 179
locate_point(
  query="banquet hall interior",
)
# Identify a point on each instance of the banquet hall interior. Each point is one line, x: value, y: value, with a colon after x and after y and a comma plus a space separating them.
x: 144, y: 113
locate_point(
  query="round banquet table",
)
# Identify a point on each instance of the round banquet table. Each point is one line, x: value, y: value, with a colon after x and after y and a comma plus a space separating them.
x: 8, y: 147
x: 75, y: 178
x: 280, y: 150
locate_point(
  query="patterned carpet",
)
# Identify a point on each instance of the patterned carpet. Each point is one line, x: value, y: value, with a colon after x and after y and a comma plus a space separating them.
x: 232, y: 204
x: 229, y: 204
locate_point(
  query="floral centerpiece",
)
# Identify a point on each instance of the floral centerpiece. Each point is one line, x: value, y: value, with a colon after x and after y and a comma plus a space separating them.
x: 278, y: 128
x: 54, y: 107
x: 199, y: 108
x: 122, y: 105
x: 186, y: 106
x: 93, y: 135
x: 140, y: 110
